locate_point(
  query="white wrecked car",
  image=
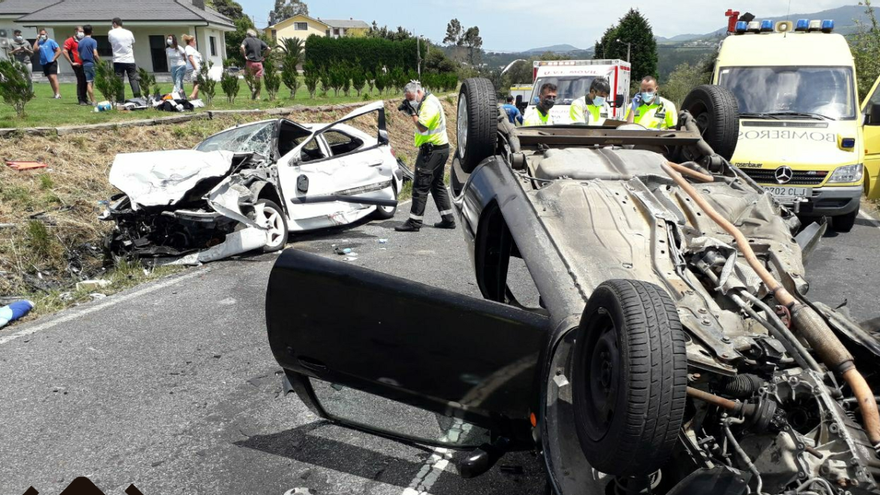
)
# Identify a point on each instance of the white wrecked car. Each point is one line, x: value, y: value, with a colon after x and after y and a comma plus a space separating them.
x: 245, y: 188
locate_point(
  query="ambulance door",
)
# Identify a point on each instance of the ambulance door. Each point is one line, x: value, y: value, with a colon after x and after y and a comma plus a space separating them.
x: 871, y: 132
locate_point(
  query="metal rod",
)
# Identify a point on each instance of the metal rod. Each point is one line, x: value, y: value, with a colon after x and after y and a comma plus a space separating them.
x: 745, y: 457
x: 713, y: 399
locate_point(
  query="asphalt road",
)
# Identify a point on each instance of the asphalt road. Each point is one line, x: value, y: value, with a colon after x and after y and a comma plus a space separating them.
x: 172, y: 387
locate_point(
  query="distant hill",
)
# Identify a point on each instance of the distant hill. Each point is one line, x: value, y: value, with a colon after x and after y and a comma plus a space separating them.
x: 554, y: 49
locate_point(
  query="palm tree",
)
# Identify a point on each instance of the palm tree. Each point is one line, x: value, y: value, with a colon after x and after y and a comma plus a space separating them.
x: 293, y: 49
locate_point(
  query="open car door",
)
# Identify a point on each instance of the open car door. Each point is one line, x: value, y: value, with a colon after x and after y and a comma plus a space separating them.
x: 871, y: 136
x: 403, y: 359
x: 334, y: 177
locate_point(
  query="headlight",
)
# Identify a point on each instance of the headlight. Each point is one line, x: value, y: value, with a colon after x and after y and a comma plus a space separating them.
x: 847, y: 174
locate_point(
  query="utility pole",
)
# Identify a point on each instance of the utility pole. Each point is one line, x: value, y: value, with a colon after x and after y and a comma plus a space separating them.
x: 628, y: 48
x: 419, y: 56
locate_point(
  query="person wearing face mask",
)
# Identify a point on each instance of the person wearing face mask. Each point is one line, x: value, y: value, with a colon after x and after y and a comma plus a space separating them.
x: 22, y: 51
x: 429, y: 118
x: 592, y: 109
x: 49, y: 53
x: 540, y: 113
x: 88, y: 53
x: 651, y: 110
x: 176, y: 63
x: 71, y: 53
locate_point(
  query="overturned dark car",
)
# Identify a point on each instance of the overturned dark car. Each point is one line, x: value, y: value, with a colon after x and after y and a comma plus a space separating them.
x: 248, y: 187
x: 671, y: 348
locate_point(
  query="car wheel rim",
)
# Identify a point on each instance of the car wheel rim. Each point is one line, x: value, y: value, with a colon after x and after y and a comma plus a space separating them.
x: 603, y: 378
x: 275, y: 225
x: 462, y: 124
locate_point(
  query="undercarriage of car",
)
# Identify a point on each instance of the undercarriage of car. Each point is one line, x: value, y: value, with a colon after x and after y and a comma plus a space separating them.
x: 679, y: 352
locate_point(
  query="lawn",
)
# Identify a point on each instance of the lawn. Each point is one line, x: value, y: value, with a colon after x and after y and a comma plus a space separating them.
x: 44, y: 111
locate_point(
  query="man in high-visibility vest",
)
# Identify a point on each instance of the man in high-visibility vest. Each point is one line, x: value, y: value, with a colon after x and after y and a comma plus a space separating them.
x: 433, y: 144
x: 651, y: 110
x: 540, y: 113
x: 592, y: 109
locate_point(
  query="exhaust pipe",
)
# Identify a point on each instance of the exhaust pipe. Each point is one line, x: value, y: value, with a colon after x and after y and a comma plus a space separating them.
x: 808, y: 323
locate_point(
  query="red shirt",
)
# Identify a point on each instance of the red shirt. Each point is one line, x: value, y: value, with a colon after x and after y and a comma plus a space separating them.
x: 72, y: 46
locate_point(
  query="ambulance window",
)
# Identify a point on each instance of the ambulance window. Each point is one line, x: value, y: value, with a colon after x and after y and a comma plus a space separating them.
x: 569, y: 88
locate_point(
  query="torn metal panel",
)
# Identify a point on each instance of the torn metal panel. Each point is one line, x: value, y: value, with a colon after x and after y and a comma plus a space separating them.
x: 236, y: 243
x: 163, y: 178
x: 227, y: 198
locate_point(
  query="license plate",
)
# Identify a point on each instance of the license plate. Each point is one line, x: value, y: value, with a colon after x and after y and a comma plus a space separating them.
x: 790, y: 193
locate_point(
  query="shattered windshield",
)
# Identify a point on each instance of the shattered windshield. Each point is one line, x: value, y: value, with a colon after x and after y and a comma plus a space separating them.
x: 252, y: 138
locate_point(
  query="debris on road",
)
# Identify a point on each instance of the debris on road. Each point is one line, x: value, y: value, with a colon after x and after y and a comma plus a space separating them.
x: 14, y: 311
x: 92, y: 284
x: 383, y: 241
x: 24, y: 165
x: 343, y: 251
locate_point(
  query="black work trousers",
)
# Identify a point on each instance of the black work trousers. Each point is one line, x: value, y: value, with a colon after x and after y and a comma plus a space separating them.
x: 81, y: 91
x: 132, y: 70
x: 429, y: 179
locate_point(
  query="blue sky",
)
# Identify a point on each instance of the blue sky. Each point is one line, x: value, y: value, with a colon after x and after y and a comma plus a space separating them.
x: 524, y: 24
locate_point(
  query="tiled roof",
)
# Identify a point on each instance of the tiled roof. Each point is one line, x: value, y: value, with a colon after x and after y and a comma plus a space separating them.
x: 127, y: 10
x: 345, y: 23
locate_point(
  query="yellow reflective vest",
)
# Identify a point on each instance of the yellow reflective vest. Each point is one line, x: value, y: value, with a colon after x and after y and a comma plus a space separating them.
x: 660, y: 114
x: 580, y: 112
x: 534, y: 118
x: 432, y: 116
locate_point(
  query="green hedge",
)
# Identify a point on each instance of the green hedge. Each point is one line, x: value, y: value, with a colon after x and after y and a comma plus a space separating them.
x: 368, y: 53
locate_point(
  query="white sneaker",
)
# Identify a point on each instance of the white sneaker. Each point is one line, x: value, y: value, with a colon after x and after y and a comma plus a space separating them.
x: 57, y: 97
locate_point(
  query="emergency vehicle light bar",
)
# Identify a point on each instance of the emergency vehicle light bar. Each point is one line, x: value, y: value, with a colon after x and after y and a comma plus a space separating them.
x: 767, y: 26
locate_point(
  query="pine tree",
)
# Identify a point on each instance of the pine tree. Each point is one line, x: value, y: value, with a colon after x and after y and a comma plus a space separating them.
x: 635, y: 29
x: 285, y: 9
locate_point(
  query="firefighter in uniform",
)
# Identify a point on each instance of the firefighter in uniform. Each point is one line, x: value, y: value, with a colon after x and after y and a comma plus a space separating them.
x: 592, y: 109
x: 651, y: 110
x: 433, y: 144
x: 540, y: 113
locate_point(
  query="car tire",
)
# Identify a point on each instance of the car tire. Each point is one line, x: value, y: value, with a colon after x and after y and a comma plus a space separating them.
x: 386, y: 212
x: 629, y: 378
x: 477, y: 127
x: 716, y: 112
x: 844, y: 223
x: 278, y: 233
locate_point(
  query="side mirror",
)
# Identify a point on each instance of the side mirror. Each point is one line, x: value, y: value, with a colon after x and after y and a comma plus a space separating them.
x: 619, y: 101
x: 383, y: 137
x: 294, y: 160
x: 874, y: 115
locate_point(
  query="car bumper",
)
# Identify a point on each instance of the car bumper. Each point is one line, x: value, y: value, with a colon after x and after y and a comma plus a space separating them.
x: 832, y: 201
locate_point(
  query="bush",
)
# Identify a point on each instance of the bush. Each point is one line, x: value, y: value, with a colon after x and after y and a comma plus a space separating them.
x: 326, y: 82
x: 270, y: 77
x: 346, y: 79
x: 230, y: 85
x: 289, y: 76
x: 148, y: 83
x: 682, y: 80
x: 107, y: 83
x: 310, y: 78
x: 207, y: 85
x: 380, y: 80
x: 370, y: 80
x: 865, y: 46
x: 397, y: 79
x: 358, y: 79
x: 324, y: 52
x: 15, y: 88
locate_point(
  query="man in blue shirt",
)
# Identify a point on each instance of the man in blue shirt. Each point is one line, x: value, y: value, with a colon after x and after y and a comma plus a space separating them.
x: 513, y: 113
x: 49, y: 53
x: 88, y: 53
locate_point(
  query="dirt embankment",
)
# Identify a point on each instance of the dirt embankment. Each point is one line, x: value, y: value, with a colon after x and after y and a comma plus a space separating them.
x: 50, y: 236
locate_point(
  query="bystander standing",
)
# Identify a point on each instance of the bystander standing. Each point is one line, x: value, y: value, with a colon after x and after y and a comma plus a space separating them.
x: 88, y: 53
x: 176, y: 63
x: 49, y: 53
x: 21, y: 51
x: 193, y: 64
x: 254, y: 50
x: 122, y: 41
x: 71, y: 53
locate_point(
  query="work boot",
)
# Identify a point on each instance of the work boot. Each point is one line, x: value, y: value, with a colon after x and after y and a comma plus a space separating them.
x: 409, y: 226
x: 447, y: 223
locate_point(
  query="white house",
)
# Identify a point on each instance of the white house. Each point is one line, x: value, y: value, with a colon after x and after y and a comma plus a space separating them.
x: 151, y: 21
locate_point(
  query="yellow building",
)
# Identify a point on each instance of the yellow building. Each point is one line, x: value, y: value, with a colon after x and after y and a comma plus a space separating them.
x: 303, y: 26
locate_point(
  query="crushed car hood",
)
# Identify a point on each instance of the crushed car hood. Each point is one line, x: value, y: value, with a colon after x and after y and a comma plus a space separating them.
x: 163, y: 178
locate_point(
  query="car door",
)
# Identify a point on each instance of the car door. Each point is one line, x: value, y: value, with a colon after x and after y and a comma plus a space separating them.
x: 871, y: 136
x: 403, y: 359
x: 329, y: 184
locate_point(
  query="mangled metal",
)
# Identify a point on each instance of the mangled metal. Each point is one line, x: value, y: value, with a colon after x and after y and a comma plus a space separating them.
x: 214, y: 201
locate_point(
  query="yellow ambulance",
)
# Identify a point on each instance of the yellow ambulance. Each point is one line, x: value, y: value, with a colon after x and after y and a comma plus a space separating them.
x: 803, y: 134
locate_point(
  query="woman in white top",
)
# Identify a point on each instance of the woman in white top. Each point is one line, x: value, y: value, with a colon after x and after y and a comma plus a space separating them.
x: 176, y: 62
x: 193, y: 64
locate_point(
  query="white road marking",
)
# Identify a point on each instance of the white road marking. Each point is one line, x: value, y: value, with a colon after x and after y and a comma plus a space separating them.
x: 874, y: 222
x: 430, y: 472
x: 110, y: 301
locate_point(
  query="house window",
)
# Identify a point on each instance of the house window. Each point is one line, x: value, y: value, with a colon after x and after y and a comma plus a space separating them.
x: 336, y: 31
x: 328, y: 32
x: 301, y: 26
x: 213, y: 41
x: 104, y: 47
x: 274, y: 35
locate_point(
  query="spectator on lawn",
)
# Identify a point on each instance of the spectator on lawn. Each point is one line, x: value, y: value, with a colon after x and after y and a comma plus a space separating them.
x: 88, y: 53
x: 193, y: 64
x: 49, y: 53
x: 254, y: 50
x: 22, y: 51
x: 122, y: 41
x: 71, y: 53
x: 177, y: 62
